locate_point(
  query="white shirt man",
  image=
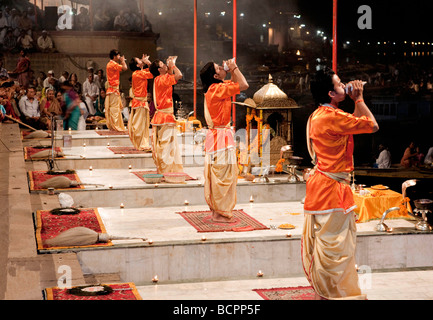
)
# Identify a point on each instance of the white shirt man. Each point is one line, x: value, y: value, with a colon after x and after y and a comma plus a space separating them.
x: 44, y: 42
x: 46, y: 82
x: 429, y: 157
x: 90, y: 93
x: 384, y: 159
x: 29, y: 105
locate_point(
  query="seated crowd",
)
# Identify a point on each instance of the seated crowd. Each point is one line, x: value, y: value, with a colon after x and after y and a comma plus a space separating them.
x: 20, y: 30
x: 47, y: 97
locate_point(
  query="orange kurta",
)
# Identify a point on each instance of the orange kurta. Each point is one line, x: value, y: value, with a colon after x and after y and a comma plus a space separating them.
x: 139, y: 88
x: 331, y: 133
x: 138, y: 123
x: 218, y: 116
x: 113, y: 77
x: 220, y: 168
x: 163, y: 96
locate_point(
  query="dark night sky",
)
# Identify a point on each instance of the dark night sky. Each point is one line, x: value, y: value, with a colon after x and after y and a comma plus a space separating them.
x: 392, y: 20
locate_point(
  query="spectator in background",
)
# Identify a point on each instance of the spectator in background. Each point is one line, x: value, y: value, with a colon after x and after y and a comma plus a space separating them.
x: 409, y: 157
x: 25, y: 23
x: 76, y: 85
x: 29, y: 107
x: 49, y: 106
x: 120, y: 22
x: 64, y: 77
x: 147, y: 25
x: 429, y: 157
x: 384, y: 159
x: 82, y: 20
x: 41, y: 78
x: 46, y: 82
x: 14, y: 22
x: 10, y: 42
x: 101, y: 20
x: 4, y: 25
x: 45, y: 43
x: 8, y: 15
x: 3, y: 71
x: 100, y: 81
x: 90, y: 93
x: 22, y: 70
x: 100, y: 105
x: 95, y: 76
x: 25, y: 41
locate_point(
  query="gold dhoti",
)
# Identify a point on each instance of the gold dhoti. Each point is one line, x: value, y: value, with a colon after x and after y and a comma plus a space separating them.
x: 138, y: 128
x: 328, y: 255
x: 113, y: 112
x: 221, y: 176
x: 166, y: 152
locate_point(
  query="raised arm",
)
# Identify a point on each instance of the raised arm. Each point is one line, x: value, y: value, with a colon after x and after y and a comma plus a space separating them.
x: 236, y: 75
x: 173, y: 69
x: 361, y: 109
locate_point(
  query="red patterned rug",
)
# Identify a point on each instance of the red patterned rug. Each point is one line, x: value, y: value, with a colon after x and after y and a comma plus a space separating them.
x: 296, y: 293
x: 37, y: 177
x: 127, y: 150
x: 49, y: 225
x: 111, y: 133
x: 202, y: 222
x: 118, y: 291
x: 140, y: 174
x: 30, y: 151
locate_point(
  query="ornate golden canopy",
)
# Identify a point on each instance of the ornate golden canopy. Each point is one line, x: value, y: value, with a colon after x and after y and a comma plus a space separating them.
x: 270, y: 96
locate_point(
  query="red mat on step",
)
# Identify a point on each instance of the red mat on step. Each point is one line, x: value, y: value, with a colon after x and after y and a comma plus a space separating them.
x: 140, y: 174
x: 37, y: 177
x: 30, y: 151
x: 118, y: 291
x: 49, y: 225
x: 127, y: 150
x: 295, y: 293
x: 112, y: 133
x: 202, y: 222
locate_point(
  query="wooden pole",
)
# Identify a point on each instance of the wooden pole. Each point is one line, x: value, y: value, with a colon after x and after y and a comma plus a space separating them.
x: 195, y: 58
x: 18, y: 121
x: 334, y: 37
x: 235, y: 15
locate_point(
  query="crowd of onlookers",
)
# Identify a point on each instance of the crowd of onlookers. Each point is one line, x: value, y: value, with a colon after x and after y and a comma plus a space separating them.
x: 19, y: 30
x: 35, y: 102
x: 24, y: 29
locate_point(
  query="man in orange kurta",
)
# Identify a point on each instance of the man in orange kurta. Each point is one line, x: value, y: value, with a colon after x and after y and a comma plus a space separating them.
x: 220, y: 168
x: 138, y: 122
x: 329, y: 235
x: 113, y: 101
x: 165, y: 148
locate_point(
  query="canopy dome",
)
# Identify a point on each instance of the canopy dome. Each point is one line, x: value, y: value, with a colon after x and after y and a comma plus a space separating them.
x: 270, y: 96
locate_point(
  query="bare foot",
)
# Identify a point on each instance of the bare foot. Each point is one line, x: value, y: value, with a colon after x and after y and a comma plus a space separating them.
x: 216, y: 217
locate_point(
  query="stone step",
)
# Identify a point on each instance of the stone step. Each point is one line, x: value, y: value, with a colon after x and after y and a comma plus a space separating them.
x: 111, y: 187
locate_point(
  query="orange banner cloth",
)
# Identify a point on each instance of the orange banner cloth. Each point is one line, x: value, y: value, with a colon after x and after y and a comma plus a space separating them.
x: 373, y: 205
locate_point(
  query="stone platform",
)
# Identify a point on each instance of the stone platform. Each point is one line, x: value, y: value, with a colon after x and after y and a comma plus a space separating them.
x: 178, y: 253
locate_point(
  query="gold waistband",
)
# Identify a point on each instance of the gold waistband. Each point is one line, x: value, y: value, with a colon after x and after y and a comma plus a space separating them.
x: 140, y: 98
x: 166, y: 110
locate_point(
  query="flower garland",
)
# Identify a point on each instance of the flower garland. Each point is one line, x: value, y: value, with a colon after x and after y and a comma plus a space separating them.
x: 279, y: 166
x: 403, y: 205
